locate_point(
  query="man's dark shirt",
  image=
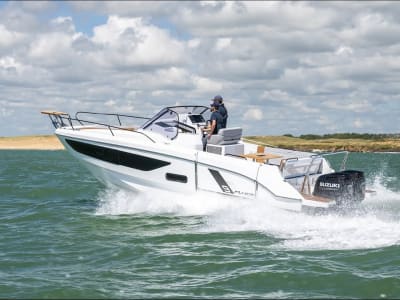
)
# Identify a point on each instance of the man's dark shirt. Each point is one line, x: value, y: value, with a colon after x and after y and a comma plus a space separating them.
x: 215, y: 115
x: 224, y: 113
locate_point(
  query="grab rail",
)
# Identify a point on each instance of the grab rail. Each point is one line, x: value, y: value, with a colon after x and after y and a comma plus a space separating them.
x: 306, y: 180
x: 284, y: 161
x: 344, y: 161
x: 57, y: 119
x: 307, y: 175
x: 109, y: 114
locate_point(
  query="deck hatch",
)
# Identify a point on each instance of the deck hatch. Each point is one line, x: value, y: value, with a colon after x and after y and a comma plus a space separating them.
x: 118, y: 157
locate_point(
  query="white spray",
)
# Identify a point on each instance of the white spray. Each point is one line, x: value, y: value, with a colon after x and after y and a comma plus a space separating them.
x: 375, y: 224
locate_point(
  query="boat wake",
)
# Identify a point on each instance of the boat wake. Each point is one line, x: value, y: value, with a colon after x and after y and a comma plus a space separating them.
x: 375, y: 224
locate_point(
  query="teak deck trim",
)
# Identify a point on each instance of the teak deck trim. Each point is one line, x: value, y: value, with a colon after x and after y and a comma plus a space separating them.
x: 316, y: 198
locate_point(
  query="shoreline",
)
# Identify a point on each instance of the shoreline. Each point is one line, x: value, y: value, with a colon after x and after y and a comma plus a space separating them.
x: 383, y: 145
x: 51, y: 142
x: 34, y: 142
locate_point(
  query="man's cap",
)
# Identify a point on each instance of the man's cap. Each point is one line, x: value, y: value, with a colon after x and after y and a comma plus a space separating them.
x: 218, y: 98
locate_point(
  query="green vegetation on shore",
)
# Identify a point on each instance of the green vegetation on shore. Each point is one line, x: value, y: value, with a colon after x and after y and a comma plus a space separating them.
x: 362, y: 136
x: 332, y: 142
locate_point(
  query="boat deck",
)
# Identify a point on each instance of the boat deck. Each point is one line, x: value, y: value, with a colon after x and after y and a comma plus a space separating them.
x: 316, y: 198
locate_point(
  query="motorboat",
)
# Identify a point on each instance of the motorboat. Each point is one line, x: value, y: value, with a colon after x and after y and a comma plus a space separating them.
x: 166, y: 153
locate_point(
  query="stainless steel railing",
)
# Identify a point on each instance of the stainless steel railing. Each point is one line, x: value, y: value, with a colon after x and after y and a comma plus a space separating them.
x: 61, y: 119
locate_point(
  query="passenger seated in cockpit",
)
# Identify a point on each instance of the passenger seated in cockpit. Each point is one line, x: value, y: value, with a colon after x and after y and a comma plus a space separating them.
x: 216, y: 122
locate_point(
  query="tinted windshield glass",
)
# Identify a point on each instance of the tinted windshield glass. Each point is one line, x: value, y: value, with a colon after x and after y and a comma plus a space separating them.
x: 194, y: 110
x: 166, y: 122
x: 163, y: 123
x: 196, y: 119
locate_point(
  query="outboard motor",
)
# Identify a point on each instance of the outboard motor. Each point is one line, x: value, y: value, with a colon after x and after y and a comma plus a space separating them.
x: 346, y: 187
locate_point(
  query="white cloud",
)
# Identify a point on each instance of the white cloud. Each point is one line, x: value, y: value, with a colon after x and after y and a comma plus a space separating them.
x: 162, y: 93
x: 129, y: 8
x: 275, y: 95
x: 110, y: 103
x: 301, y: 66
x: 223, y: 43
x: 9, y: 63
x: 356, y: 106
x: 343, y: 50
x: 37, y: 6
x: 358, y: 123
x: 194, y: 43
x: 246, y: 18
x: 209, y: 3
x: 253, y: 114
x: 63, y: 24
x: 8, y: 38
x: 51, y: 49
x: 128, y: 42
x: 4, y: 112
x: 206, y: 85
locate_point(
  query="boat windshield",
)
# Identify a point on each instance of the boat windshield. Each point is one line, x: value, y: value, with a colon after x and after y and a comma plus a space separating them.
x: 172, y: 120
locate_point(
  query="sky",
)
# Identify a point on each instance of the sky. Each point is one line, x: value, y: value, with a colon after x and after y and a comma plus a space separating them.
x: 295, y: 68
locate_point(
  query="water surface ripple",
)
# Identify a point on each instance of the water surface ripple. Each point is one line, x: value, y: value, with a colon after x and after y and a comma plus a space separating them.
x: 64, y: 235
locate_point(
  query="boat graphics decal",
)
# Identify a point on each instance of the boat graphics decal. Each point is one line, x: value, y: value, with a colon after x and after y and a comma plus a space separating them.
x: 221, y: 181
x: 118, y: 157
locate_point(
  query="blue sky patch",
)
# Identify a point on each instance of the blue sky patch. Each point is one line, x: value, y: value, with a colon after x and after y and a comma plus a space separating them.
x: 84, y: 21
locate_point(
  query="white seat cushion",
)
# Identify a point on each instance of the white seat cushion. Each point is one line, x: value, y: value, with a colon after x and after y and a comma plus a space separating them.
x: 226, y: 136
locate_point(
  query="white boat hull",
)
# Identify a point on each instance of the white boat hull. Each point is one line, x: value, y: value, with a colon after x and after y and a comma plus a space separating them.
x: 169, y: 153
x: 188, y: 172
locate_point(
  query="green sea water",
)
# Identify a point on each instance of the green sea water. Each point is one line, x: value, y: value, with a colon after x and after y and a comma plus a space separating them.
x: 65, y: 235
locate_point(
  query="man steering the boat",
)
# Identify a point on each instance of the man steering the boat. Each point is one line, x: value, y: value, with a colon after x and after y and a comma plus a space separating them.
x: 216, y: 123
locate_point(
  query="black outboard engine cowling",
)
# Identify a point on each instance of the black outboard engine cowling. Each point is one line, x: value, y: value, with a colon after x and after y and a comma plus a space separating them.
x: 346, y: 187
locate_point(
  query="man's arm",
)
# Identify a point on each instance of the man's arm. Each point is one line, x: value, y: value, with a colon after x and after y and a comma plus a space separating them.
x: 213, y: 124
x: 206, y: 128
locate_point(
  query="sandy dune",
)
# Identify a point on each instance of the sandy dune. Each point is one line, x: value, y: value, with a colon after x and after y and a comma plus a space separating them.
x: 42, y: 142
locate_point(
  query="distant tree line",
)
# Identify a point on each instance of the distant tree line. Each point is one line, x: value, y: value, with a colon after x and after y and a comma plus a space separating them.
x: 364, y: 136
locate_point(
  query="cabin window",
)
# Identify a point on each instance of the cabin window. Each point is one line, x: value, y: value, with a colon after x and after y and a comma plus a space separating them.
x: 176, y: 177
x: 117, y: 157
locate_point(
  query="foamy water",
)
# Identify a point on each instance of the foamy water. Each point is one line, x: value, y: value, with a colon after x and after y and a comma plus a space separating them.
x: 376, y: 223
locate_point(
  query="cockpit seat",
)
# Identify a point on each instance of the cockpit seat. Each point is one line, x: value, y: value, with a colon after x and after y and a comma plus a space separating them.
x: 226, y: 136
